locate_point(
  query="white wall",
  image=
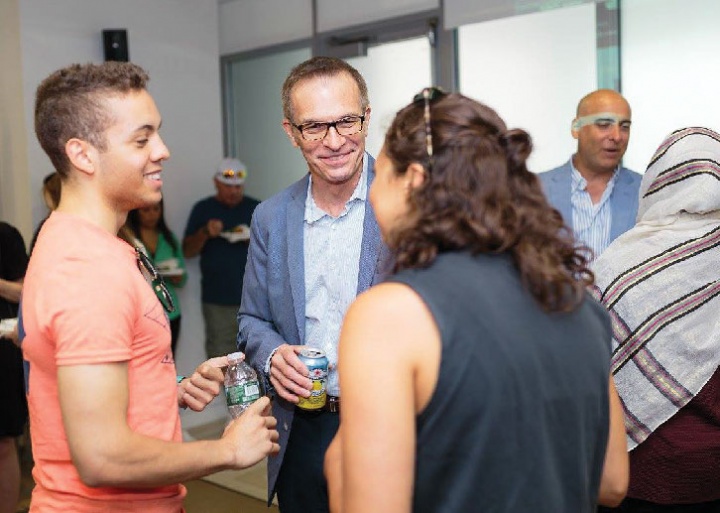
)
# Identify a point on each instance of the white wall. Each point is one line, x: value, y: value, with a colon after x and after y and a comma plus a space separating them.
x: 14, y: 185
x: 533, y: 82
x: 248, y: 24
x: 176, y: 41
x: 251, y: 24
x: 334, y: 15
x: 670, y: 71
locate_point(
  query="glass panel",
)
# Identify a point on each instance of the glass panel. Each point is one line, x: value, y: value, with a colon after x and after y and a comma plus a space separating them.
x: 257, y: 137
x: 533, y: 69
x: 394, y: 73
x: 670, y: 71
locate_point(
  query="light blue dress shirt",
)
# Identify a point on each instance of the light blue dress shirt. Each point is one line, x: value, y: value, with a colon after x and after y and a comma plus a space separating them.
x: 332, y: 263
x: 591, y: 222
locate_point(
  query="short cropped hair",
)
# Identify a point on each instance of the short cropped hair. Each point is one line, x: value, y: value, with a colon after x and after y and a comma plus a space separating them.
x: 70, y: 104
x: 321, y: 67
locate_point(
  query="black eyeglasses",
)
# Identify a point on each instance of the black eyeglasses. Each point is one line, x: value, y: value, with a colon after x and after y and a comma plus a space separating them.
x: 317, y: 130
x: 427, y: 95
x: 158, y: 284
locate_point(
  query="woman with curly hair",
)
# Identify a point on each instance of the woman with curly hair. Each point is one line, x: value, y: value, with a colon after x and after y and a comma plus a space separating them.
x: 477, y: 377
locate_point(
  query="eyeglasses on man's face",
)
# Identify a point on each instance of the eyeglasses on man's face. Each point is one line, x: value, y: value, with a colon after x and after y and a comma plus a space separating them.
x: 158, y: 284
x: 427, y: 95
x: 317, y: 130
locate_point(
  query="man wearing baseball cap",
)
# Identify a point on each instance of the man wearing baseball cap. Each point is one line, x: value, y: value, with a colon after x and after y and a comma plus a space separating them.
x: 218, y: 230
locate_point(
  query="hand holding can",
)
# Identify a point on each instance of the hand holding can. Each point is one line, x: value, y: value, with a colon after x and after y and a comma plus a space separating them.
x: 317, y: 364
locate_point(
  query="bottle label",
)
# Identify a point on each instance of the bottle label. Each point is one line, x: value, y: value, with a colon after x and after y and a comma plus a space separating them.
x: 243, y: 394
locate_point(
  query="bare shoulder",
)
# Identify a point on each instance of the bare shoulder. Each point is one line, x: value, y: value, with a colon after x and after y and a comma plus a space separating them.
x: 392, y: 316
x: 395, y: 302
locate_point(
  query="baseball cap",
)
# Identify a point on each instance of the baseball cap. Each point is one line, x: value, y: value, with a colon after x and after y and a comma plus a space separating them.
x: 231, y: 172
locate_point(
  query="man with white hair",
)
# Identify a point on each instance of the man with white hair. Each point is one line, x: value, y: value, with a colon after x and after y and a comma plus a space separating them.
x: 218, y: 230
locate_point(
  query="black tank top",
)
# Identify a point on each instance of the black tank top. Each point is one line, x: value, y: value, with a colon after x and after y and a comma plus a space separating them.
x: 518, y: 421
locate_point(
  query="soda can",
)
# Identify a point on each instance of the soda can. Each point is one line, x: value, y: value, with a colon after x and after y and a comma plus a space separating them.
x: 317, y: 364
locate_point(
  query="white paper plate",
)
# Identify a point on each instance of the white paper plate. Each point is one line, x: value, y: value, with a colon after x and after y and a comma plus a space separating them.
x: 7, y: 326
x: 170, y: 272
x: 241, y: 233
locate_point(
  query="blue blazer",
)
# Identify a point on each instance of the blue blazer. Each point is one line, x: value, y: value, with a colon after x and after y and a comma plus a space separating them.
x: 623, y: 199
x: 272, y: 311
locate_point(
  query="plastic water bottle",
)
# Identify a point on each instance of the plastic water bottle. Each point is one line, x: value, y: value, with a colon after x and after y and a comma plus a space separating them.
x: 242, y: 387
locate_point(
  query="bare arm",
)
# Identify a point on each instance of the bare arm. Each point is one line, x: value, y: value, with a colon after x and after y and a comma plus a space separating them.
x: 192, y: 244
x: 107, y: 452
x: 616, y: 470
x: 333, y: 473
x: 10, y: 290
x: 377, y: 441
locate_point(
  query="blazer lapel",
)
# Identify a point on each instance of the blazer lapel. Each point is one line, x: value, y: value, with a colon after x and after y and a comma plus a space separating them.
x: 621, y: 201
x: 370, y: 248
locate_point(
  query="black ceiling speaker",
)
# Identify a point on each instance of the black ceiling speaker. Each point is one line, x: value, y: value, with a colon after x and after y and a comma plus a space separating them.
x: 116, y: 45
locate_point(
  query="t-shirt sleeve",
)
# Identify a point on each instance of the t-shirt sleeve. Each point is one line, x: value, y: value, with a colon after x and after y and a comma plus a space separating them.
x: 94, y: 315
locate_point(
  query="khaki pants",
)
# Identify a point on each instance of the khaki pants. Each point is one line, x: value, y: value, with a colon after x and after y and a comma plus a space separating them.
x: 221, y: 329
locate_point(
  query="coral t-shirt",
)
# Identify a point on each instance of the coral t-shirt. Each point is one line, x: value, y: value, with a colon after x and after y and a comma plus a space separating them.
x: 86, y: 302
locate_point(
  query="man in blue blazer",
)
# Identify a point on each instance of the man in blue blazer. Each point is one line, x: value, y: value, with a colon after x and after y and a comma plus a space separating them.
x: 313, y: 248
x: 597, y: 197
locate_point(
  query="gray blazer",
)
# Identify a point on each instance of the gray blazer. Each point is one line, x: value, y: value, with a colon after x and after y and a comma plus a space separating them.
x: 623, y: 199
x: 272, y: 311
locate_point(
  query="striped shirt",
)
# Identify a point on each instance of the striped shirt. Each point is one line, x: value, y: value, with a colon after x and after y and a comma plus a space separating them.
x: 332, y: 263
x: 591, y: 222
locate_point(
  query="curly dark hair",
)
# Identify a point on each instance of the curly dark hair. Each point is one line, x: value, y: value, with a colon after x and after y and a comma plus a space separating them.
x: 479, y: 196
x: 70, y: 103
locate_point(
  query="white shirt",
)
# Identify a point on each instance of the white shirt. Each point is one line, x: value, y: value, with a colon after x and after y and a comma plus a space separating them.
x: 332, y: 263
x: 591, y: 222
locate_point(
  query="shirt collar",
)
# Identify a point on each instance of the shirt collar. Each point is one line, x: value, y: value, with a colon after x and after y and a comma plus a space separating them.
x: 314, y: 213
x: 578, y: 182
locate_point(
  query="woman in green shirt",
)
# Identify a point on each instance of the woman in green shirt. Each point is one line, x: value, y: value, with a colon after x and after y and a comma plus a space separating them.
x: 147, y: 225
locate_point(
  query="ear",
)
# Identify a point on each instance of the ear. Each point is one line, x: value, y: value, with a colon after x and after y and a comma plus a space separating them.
x: 82, y: 155
x: 287, y: 126
x: 367, y: 119
x: 575, y: 128
x: 415, y: 175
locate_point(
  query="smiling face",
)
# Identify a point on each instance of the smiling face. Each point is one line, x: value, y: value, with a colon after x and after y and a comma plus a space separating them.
x: 130, y: 166
x: 601, y: 142
x: 335, y: 159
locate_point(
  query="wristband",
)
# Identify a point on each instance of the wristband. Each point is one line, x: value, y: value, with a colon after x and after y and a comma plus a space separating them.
x: 180, y: 378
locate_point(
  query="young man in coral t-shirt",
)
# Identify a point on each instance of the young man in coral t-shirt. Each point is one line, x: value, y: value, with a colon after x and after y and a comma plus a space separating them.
x: 103, y: 394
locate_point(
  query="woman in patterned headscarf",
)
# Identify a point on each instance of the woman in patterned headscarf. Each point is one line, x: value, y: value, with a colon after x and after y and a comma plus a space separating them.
x: 660, y: 282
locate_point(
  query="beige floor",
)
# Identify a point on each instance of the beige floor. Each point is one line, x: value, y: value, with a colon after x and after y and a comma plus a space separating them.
x: 206, y: 497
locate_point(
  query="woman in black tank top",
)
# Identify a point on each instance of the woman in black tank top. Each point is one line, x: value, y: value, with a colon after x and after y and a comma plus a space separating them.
x: 476, y: 377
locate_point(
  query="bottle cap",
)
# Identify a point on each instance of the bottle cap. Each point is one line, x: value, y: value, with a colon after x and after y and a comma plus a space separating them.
x: 236, y: 357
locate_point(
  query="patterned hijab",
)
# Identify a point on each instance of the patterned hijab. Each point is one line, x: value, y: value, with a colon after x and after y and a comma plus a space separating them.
x: 661, y: 284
